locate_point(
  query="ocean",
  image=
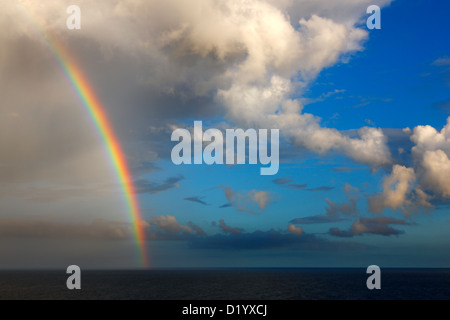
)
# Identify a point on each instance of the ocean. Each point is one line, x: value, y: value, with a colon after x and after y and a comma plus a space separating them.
x: 229, y: 284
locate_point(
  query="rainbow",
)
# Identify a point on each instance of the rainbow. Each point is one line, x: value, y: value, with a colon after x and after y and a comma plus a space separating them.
x: 93, y: 106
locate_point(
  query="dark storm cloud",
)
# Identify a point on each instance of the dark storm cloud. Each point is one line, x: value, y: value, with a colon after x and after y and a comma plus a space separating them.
x: 316, y: 219
x: 53, y: 128
x: 98, y: 229
x: 45, y: 194
x: 146, y: 186
x: 44, y: 135
x: 377, y: 226
x: 167, y: 228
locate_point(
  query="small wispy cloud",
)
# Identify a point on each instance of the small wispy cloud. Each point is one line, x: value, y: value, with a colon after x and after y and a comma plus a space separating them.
x: 196, y: 199
x: 344, y: 169
x: 443, y: 105
x: 336, y: 209
x: 168, y: 228
x: 295, y: 186
x: 378, y: 226
x: 227, y: 229
x: 443, y: 61
x: 246, y: 201
x: 281, y: 181
x: 321, y: 189
x: 146, y: 186
x: 316, y: 219
x: 296, y: 230
x: 286, y: 183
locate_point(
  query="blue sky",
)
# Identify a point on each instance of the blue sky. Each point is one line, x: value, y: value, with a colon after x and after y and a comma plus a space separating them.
x: 395, y: 72
x: 349, y: 103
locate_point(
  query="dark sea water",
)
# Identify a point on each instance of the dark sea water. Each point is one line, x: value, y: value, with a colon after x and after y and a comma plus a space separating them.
x: 246, y: 284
